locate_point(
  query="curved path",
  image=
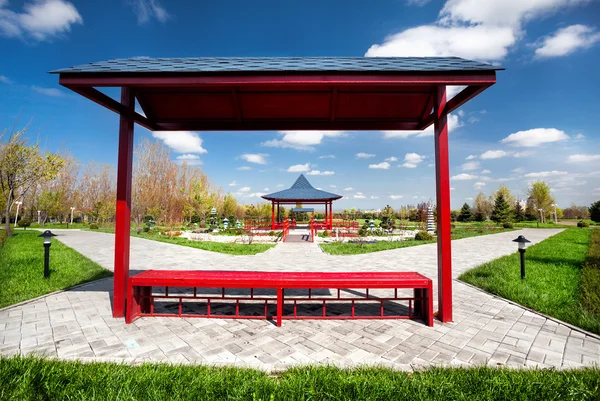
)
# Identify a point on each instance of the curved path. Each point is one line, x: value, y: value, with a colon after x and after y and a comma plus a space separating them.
x: 77, y: 324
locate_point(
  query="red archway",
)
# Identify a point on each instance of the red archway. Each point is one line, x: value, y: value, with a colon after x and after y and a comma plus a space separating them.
x: 246, y: 94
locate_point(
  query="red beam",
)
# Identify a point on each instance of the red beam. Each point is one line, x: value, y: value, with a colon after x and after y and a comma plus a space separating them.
x: 334, y: 103
x: 111, y: 104
x: 123, y: 216
x: 442, y: 178
x: 479, y: 78
x: 276, y: 125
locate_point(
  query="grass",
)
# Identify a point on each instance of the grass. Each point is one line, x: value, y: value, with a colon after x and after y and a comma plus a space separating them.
x: 50, y: 226
x: 33, y: 378
x: 553, y: 275
x: 228, y: 248
x: 22, y: 268
x: 346, y: 248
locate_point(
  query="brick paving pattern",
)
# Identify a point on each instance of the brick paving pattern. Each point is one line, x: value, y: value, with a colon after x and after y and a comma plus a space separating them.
x: 77, y: 324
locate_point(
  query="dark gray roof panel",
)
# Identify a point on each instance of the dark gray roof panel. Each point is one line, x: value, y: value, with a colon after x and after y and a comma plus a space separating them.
x: 279, y: 64
x: 302, y: 190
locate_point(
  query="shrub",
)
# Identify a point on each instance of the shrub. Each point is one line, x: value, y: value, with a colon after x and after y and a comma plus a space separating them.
x: 24, y: 222
x: 423, y: 236
x: 326, y: 233
x: 595, y: 211
x: 2, y: 238
x: 508, y: 225
x: 94, y: 226
x: 271, y: 233
x: 582, y: 224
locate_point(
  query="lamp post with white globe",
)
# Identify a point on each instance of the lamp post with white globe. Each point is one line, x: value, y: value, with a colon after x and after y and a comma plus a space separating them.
x: 18, y: 203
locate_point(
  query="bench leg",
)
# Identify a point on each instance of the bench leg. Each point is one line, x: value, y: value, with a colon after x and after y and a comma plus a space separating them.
x: 132, y: 310
x: 418, y: 304
x: 429, y: 293
x: 145, y: 300
x: 279, y: 306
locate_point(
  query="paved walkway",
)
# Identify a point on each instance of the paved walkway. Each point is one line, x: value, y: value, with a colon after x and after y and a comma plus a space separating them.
x: 486, y: 330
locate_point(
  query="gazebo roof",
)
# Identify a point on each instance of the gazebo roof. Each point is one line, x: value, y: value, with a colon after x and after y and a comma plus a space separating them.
x: 301, y: 191
x: 281, y: 93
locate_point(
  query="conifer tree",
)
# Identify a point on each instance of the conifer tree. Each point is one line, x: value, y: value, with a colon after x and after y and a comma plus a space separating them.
x: 465, y: 213
x: 501, y: 212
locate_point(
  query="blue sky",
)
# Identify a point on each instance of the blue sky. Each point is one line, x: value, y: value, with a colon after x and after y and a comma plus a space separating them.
x: 538, y: 122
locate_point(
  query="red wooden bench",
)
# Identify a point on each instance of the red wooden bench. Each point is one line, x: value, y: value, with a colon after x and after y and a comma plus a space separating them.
x: 141, y: 297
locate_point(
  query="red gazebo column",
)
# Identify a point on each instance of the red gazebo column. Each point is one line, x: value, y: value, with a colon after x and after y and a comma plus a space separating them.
x: 326, y: 217
x: 330, y: 215
x: 442, y: 179
x: 272, y: 215
x: 123, y: 216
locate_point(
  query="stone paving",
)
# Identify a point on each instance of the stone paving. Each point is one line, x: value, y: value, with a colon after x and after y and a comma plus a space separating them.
x: 77, y: 324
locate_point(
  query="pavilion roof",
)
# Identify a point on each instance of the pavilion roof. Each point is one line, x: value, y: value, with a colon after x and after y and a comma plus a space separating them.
x: 302, y: 190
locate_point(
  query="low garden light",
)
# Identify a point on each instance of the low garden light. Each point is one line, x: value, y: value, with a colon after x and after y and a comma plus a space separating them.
x: 238, y: 224
x: 522, y: 241
x: 371, y: 225
x: 47, y: 235
x: 225, y: 223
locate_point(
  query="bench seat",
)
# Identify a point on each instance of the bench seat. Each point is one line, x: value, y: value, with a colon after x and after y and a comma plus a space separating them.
x: 140, y: 297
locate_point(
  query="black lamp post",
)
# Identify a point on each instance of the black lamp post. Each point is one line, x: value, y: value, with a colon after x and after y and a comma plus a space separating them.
x: 521, y: 240
x: 47, y: 235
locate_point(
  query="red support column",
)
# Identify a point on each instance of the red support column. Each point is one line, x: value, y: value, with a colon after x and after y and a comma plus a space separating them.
x: 442, y: 178
x: 326, y: 219
x: 272, y: 215
x: 123, y: 216
x: 278, y: 214
x: 330, y: 215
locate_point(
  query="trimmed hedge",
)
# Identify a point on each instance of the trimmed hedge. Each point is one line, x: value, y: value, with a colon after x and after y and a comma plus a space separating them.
x: 590, y: 276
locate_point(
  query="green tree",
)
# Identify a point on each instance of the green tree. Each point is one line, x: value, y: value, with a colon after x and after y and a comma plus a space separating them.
x: 519, y: 212
x: 539, y: 193
x: 501, y: 212
x: 21, y: 167
x: 482, y: 207
x: 595, y: 211
x: 465, y: 213
x: 530, y: 212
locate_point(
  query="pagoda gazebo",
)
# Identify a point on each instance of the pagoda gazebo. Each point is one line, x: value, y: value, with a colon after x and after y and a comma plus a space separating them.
x: 302, y: 192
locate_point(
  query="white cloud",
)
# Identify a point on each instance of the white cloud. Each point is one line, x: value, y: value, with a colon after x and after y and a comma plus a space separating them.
x: 299, y: 168
x: 469, y: 198
x: 362, y: 155
x: 359, y: 195
x: 567, y: 40
x: 413, y: 158
x: 145, y: 10
x: 41, y: 20
x: 470, y: 166
x: 579, y: 136
x: 244, y: 189
x: 333, y: 186
x: 463, y: 177
x: 473, y: 29
x: 301, y: 140
x: 391, y: 159
x: 188, y: 156
x: 408, y: 165
x: 535, y: 137
x: 452, y: 188
x: 279, y: 185
x: 48, y: 91
x: 596, y: 190
x: 518, y: 170
x: 4, y: 79
x: 244, y: 168
x: 470, y: 157
x: 374, y: 197
x: 453, y: 123
x: 523, y: 154
x: 582, y: 158
x: 418, y: 3
x: 545, y: 174
x: 257, y: 158
x: 485, y: 172
x: 493, y: 154
x: 327, y: 157
x: 479, y: 185
x: 382, y: 165
x: 349, y: 189
x: 181, y: 141
x: 317, y: 172
x: 233, y: 183
x: 265, y: 189
x: 396, y: 197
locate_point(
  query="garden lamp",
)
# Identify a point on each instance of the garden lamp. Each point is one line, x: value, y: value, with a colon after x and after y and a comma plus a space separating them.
x: 47, y: 235
x: 371, y: 225
x: 225, y: 222
x: 522, y: 241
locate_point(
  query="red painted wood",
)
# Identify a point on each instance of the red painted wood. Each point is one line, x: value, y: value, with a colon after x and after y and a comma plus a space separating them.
x: 123, y: 212
x: 442, y: 175
x: 286, y: 125
x: 272, y: 215
x: 481, y: 77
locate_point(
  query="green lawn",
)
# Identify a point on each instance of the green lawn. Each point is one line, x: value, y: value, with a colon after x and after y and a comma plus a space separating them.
x: 228, y: 248
x: 345, y: 248
x: 40, y: 379
x: 553, y: 274
x: 22, y: 268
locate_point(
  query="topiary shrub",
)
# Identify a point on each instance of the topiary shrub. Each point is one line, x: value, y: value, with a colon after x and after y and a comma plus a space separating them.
x: 582, y: 224
x: 24, y: 222
x: 508, y: 225
x: 423, y: 236
x: 94, y: 226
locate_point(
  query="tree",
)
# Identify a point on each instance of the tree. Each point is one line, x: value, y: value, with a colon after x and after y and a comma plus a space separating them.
x: 501, y: 212
x: 508, y: 196
x: 21, y: 167
x: 595, y: 211
x: 465, y: 213
x: 387, y: 217
x: 482, y: 207
x: 531, y: 212
x: 519, y: 212
x: 539, y: 193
